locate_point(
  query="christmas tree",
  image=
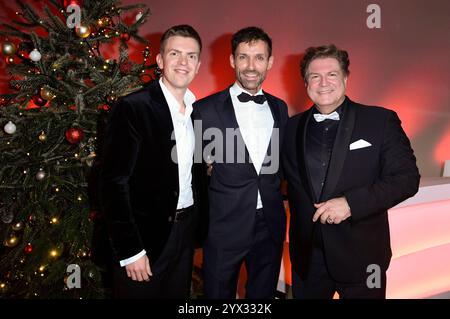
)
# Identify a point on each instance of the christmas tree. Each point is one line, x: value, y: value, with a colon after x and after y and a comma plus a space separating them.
x: 62, y: 85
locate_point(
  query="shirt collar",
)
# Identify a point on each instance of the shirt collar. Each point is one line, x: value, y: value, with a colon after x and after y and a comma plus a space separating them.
x: 174, y: 106
x: 339, y: 109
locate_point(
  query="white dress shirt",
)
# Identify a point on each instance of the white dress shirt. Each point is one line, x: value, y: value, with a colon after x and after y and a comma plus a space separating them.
x: 185, y: 139
x: 255, y: 124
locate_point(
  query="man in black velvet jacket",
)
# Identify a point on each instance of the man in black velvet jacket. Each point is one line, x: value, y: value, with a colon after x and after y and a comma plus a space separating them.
x: 346, y: 164
x: 150, y: 187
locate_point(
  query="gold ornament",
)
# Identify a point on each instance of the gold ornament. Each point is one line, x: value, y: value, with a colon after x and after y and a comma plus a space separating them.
x: 83, y: 31
x: 46, y: 93
x: 11, y: 241
x: 8, y: 48
x: 17, y: 226
x: 42, y: 137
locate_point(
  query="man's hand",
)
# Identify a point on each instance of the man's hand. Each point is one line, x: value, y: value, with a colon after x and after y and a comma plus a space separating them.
x: 139, y: 270
x: 333, y: 211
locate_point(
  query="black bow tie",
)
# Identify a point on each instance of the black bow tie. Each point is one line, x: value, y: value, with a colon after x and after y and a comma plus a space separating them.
x: 244, y: 97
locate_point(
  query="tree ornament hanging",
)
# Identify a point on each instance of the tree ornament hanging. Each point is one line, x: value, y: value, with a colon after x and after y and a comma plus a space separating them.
x: 46, y: 93
x: 139, y: 16
x: 17, y: 226
x: 74, y: 135
x: 8, y: 48
x: 28, y: 249
x: 83, y: 31
x: 38, y: 100
x: 12, y: 241
x: 40, y: 175
x: 35, y: 55
x: 42, y: 137
x: 10, y: 128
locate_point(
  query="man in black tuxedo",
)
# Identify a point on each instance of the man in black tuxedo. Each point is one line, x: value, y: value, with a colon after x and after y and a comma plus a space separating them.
x: 346, y: 164
x: 150, y: 188
x: 247, y: 219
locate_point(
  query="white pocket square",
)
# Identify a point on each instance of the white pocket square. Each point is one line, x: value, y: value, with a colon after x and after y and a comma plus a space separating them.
x: 359, y: 144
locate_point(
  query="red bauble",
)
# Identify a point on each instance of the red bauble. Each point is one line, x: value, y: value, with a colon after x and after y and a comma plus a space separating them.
x: 67, y: 3
x: 125, y: 67
x: 39, y: 101
x: 28, y: 249
x: 95, y: 215
x: 125, y: 36
x: 74, y: 135
x: 104, y: 107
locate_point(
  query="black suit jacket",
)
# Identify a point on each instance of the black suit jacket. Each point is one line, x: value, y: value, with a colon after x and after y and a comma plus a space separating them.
x: 139, y: 179
x: 373, y: 179
x: 233, y: 186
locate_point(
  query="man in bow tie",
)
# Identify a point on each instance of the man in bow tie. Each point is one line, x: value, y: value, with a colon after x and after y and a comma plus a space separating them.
x: 346, y: 164
x: 247, y: 219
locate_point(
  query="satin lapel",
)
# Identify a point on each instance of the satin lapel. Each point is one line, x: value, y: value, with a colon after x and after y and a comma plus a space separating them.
x: 340, y: 150
x: 225, y: 109
x: 301, y: 150
x: 274, y: 109
x: 164, y: 120
x: 276, y: 125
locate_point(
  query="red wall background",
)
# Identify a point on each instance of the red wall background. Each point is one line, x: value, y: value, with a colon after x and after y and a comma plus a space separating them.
x: 404, y: 65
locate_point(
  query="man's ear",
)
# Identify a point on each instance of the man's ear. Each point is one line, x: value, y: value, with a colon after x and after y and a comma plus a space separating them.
x: 232, y: 61
x: 269, y: 65
x: 159, y: 61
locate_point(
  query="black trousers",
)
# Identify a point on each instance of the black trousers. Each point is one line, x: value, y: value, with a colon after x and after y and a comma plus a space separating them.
x: 172, y: 271
x: 262, y: 260
x: 319, y: 285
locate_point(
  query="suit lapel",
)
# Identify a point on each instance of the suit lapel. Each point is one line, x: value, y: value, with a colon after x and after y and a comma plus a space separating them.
x: 164, y: 120
x: 301, y: 150
x: 274, y: 109
x: 340, y: 150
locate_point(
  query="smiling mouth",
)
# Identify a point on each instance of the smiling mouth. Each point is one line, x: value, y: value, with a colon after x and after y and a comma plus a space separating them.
x: 181, y: 71
x: 251, y: 76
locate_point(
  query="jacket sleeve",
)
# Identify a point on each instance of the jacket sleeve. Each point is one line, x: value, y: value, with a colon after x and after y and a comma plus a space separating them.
x: 398, y: 178
x: 121, y: 147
